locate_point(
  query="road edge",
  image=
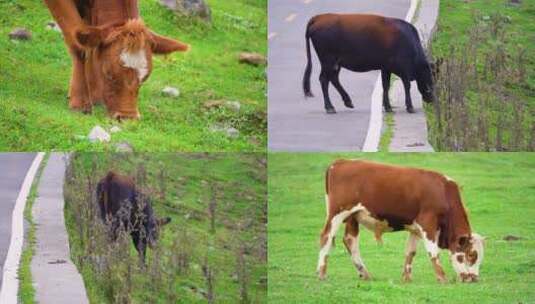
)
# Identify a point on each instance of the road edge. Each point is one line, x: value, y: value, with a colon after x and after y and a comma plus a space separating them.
x: 375, y: 126
x: 411, y: 133
x: 10, y: 281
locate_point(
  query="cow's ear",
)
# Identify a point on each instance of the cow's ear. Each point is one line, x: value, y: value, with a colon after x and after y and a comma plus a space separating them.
x: 463, y: 241
x: 89, y: 37
x: 163, y: 221
x: 163, y: 45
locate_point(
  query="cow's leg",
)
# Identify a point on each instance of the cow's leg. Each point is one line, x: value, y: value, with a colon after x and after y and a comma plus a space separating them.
x: 325, y: 76
x: 351, y: 240
x: 385, y: 79
x: 429, y: 232
x: 408, y: 100
x: 410, y: 252
x: 78, y: 96
x: 333, y: 222
x: 336, y: 83
x: 140, y: 245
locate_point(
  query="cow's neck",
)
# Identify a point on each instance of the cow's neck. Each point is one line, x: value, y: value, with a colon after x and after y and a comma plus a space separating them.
x: 458, y: 225
x: 111, y: 11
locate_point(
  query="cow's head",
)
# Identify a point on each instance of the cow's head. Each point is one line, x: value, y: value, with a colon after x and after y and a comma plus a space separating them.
x: 424, y: 80
x: 118, y: 59
x: 152, y: 227
x: 466, y: 257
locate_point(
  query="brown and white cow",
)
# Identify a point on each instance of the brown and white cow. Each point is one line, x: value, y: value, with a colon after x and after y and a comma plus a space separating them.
x: 386, y: 198
x: 111, y: 50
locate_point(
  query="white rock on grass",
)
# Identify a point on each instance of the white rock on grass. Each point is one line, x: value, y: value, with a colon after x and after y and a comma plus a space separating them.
x: 115, y: 129
x: 98, y: 134
x: 124, y: 147
x: 171, y: 92
x: 230, y: 132
x: 233, y: 105
x: 51, y: 25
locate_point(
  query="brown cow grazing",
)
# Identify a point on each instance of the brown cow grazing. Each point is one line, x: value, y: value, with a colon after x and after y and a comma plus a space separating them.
x: 362, y: 43
x: 111, y: 50
x: 385, y: 198
x: 122, y: 206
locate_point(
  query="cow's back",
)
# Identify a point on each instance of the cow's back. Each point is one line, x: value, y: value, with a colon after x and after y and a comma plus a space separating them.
x: 362, y: 42
x: 395, y: 193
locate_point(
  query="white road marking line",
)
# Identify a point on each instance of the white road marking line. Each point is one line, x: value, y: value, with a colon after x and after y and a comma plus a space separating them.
x: 290, y: 17
x: 10, y: 281
x: 271, y: 35
x: 373, y: 135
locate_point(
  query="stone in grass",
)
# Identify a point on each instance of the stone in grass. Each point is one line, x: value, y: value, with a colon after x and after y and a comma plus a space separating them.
x: 252, y: 58
x: 53, y: 26
x: 115, y: 129
x: 124, y: 147
x: 171, y: 92
x: 98, y: 134
x: 233, y: 105
x: 229, y: 131
x: 190, y: 8
x: 20, y: 33
x: 511, y: 238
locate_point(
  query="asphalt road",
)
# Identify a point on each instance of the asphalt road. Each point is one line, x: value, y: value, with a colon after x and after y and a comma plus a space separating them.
x: 13, y: 169
x: 299, y: 124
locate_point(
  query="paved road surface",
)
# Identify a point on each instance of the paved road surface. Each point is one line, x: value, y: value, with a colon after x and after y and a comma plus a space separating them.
x: 13, y: 169
x: 296, y: 124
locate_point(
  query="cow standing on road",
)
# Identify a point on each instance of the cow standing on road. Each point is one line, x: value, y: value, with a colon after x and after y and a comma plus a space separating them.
x: 385, y: 198
x: 122, y: 206
x: 362, y: 43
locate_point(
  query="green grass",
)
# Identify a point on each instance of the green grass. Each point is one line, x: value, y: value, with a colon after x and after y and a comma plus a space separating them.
x: 34, y: 78
x: 26, y: 290
x: 241, y: 195
x: 388, y: 133
x: 498, y: 191
x: 456, y: 19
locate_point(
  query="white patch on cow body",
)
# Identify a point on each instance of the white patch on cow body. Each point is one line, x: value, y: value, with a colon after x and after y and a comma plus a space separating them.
x: 449, y: 178
x: 431, y: 246
x: 136, y: 60
x: 336, y: 221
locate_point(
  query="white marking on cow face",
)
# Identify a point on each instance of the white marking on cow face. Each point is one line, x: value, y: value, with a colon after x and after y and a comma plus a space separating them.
x: 136, y: 60
x: 468, y: 270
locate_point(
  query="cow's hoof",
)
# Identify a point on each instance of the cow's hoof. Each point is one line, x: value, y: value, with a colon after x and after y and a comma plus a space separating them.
x: 349, y: 104
x: 442, y: 280
x: 411, y: 110
x: 365, y: 277
x: 406, y: 278
x: 309, y: 95
x: 330, y: 111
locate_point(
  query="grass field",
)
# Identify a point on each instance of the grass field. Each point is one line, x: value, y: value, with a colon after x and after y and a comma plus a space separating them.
x: 498, y: 191
x: 183, y: 187
x: 34, y: 77
x: 488, y: 75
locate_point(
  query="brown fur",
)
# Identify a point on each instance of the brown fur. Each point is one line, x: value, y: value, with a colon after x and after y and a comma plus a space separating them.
x: 96, y: 32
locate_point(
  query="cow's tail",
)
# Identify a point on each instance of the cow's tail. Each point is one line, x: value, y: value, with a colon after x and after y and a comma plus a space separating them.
x: 308, y: 69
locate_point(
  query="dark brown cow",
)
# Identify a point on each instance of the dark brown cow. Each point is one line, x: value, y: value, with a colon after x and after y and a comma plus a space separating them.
x: 122, y: 206
x: 362, y: 43
x: 385, y: 198
x: 111, y: 50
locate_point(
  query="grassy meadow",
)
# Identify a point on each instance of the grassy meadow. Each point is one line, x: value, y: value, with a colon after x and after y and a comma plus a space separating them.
x: 195, y: 261
x: 34, y: 77
x: 498, y: 190
x: 486, y: 82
